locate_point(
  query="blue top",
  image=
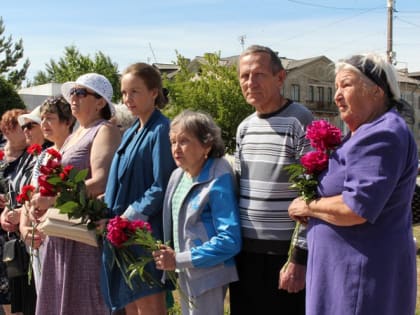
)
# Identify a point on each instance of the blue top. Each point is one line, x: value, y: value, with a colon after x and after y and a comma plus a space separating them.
x: 368, y: 268
x: 209, y: 233
x: 136, y: 186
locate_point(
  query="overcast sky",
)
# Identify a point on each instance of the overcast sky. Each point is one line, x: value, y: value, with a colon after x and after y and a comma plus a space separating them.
x: 152, y: 31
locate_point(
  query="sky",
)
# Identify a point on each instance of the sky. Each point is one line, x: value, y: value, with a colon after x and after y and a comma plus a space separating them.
x: 152, y: 31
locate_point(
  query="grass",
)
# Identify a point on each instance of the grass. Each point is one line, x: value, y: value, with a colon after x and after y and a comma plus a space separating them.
x: 176, y: 309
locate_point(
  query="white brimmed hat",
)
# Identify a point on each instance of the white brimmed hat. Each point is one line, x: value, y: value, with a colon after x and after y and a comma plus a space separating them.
x: 34, y: 115
x: 93, y: 81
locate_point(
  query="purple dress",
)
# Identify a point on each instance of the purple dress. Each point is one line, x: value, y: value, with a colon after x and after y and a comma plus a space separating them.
x: 69, y: 281
x: 369, y: 268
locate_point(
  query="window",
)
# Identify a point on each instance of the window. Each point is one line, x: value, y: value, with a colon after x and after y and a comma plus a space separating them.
x: 320, y: 94
x: 329, y: 96
x: 295, y: 92
x: 311, y: 94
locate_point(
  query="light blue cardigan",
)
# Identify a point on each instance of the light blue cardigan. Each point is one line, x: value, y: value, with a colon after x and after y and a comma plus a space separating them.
x: 208, y: 227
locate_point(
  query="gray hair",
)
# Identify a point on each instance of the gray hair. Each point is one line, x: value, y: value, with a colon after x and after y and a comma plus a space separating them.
x: 123, y: 118
x: 275, y: 61
x: 376, y: 69
x: 203, y: 127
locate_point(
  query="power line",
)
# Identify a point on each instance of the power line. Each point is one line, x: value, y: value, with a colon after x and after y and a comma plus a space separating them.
x: 330, y: 7
x: 407, y: 22
x: 314, y: 30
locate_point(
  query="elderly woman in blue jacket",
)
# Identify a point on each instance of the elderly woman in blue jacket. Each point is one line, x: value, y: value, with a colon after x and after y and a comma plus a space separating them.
x: 200, y: 215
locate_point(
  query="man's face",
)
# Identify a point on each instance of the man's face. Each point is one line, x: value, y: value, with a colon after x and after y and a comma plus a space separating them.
x: 260, y: 87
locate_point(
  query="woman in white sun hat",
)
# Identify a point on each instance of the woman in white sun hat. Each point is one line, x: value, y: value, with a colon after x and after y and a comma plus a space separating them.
x: 70, y: 270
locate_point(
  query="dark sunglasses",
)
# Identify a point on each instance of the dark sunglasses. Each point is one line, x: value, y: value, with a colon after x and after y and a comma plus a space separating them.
x: 81, y: 92
x: 29, y: 125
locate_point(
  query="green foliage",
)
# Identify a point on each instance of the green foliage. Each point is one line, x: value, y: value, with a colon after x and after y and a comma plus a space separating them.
x: 9, y: 99
x: 73, y: 199
x: 10, y: 54
x: 73, y: 64
x: 214, y: 89
x: 305, y: 184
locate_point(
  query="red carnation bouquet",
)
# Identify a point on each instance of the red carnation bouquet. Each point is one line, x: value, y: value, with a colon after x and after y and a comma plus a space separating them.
x: 67, y: 184
x: 122, y: 233
x: 324, y: 138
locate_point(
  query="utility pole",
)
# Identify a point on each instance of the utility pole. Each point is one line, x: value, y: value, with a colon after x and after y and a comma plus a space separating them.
x: 389, y: 53
x: 242, y: 41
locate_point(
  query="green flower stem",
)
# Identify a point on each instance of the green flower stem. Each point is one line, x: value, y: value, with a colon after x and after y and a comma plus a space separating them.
x: 31, y: 256
x: 292, y: 245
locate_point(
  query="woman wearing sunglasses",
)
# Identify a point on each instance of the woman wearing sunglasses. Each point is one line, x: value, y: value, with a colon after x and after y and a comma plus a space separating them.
x: 22, y: 290
x: 69, y: 282
x: 14, y: 153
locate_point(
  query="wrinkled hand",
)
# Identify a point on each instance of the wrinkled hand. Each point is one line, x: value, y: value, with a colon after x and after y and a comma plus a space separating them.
x: 292, y: 278
x: 299, y: 211
x: 6, y: 224
x: 164, y: 258
x: 33, y: 237
x: 3, y: 201
x: 42, y: 203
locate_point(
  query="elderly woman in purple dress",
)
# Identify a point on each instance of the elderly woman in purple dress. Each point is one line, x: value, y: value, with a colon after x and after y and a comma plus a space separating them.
x: 360, y: 241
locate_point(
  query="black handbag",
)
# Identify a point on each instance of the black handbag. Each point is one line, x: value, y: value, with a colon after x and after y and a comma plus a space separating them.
x: 16, y: 258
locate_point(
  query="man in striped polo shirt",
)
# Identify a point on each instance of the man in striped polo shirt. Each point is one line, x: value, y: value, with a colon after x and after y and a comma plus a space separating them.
x: 266, y: 141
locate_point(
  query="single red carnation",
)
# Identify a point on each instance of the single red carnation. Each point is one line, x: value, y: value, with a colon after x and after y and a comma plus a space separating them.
x: 54, y: 153
x: 34, y: 149
x: 64, y: 175
x: 45, y: 192
x: 1, y: 154
x: 45, y: 188
x: 54, y: 165
x: 43, y: 169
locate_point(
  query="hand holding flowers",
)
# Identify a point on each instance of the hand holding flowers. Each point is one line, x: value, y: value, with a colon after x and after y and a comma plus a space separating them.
x: 324, y: 138
x: 122, y: 234
x: 67, y: 186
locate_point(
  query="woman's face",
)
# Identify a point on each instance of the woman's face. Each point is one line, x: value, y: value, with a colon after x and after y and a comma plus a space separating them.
x: 15, y: 136
x: 33, y: 132
x: 355, y: 98
x: 84, y: 105
x: 188, y: 152
x: 136, y: 96
x: 52, y: 128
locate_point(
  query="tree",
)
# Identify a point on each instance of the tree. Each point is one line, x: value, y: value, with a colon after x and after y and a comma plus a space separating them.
x: 214, y: 89
x: 10, y: 54
x: 73, y: 64
x: 9, y: 99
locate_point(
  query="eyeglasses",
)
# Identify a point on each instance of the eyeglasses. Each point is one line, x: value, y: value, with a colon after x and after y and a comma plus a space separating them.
x: 29, y: 125
x: 81, y: 92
